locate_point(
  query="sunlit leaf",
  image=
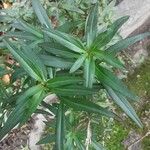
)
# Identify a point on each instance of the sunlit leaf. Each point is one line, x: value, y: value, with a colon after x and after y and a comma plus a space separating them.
x: 56, y: 62
x: 24, y: 26
x: 124, y: 104
x: 86, y: 105
x: 41, y: 13
x: 63, y: 81
x: 29, y: 61
x: 72, y: 8
x: 105, y: 37
x: 31, y: 105
x: 97, y: 145
x: 68, y: 26
x: 66, y: 40
x: 108, y: 78
x: 108, y: 58
x: 21, y: 35
x: 124, y: 43
x: 58, y: 50
x: 78, y: 63
x: 89, y: 72
x: 91, y: 24
x: 73, y: 90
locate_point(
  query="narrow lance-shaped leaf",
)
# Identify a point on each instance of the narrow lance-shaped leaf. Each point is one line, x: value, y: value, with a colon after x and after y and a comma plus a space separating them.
x: 56, y: 62
x: 79, y: 143
x: 34, y: 44
x: 124, y: 43
x: 89, y: 72
x: 28, y: 60
x: 124, y: 104
x: 36, y: 62
x: 66, y: 40
x: 58, y: 50
x: 60, y: 127
x: 24, y: 26
x: 78, y: 63
x: 97, y: 145
x: 108, y: 78
x: 72, y: 7
x: 22, y: 35
x: 68, y: 26
x: 108, y: 58
x: 91, y: 25
x: 69, y: 144
x: 105, y: 37
x: 63, y: 81
x: 88, y: 106
x: 41, y: 13
x: 31, y: 105
x: 73, y: 90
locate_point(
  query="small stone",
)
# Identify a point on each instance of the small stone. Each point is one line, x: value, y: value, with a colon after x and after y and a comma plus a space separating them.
x: 138, y: 76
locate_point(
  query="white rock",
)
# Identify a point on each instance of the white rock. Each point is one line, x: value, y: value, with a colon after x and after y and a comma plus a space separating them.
x: 39, y: 125
x: 36, y: 132
x: 139, y: 12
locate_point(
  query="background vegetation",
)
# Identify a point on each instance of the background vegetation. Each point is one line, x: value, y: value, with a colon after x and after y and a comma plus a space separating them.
x: 68, y: 17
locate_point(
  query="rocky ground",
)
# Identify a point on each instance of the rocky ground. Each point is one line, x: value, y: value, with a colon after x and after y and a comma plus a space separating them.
x: 18, y: 138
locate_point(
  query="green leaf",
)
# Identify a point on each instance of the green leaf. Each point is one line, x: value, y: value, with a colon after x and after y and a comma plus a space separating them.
x: 78, y: 63
x: 17, y: 74
x: 68, y: 26
x: 58, y: 50
x: 18, y: 113
x: 88, y: 106
x: 91, y: 25
x: 47, y: 139
x: 31, y: 105
x: 124, y: 104
x: 22, y: 35
x: 72, y: 7
x: 66, y: 40
x: 89, y: 72
x: 56, y: 62
x: 69, y: 145
x: 97, y: 145
x: 60, y: 127
x: 108, y: 78
x: 63, y: 81
x: 108, y: 58
x: 22, y: 25
x: 41, y: 13
x: 34, y: 44
x: 105, y: 37
x: 2, y: 45
x: 29, y: 61
x: 73, y: 90
x: 79, y: 144
x: 124, y: 43
x: 3, y: 71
